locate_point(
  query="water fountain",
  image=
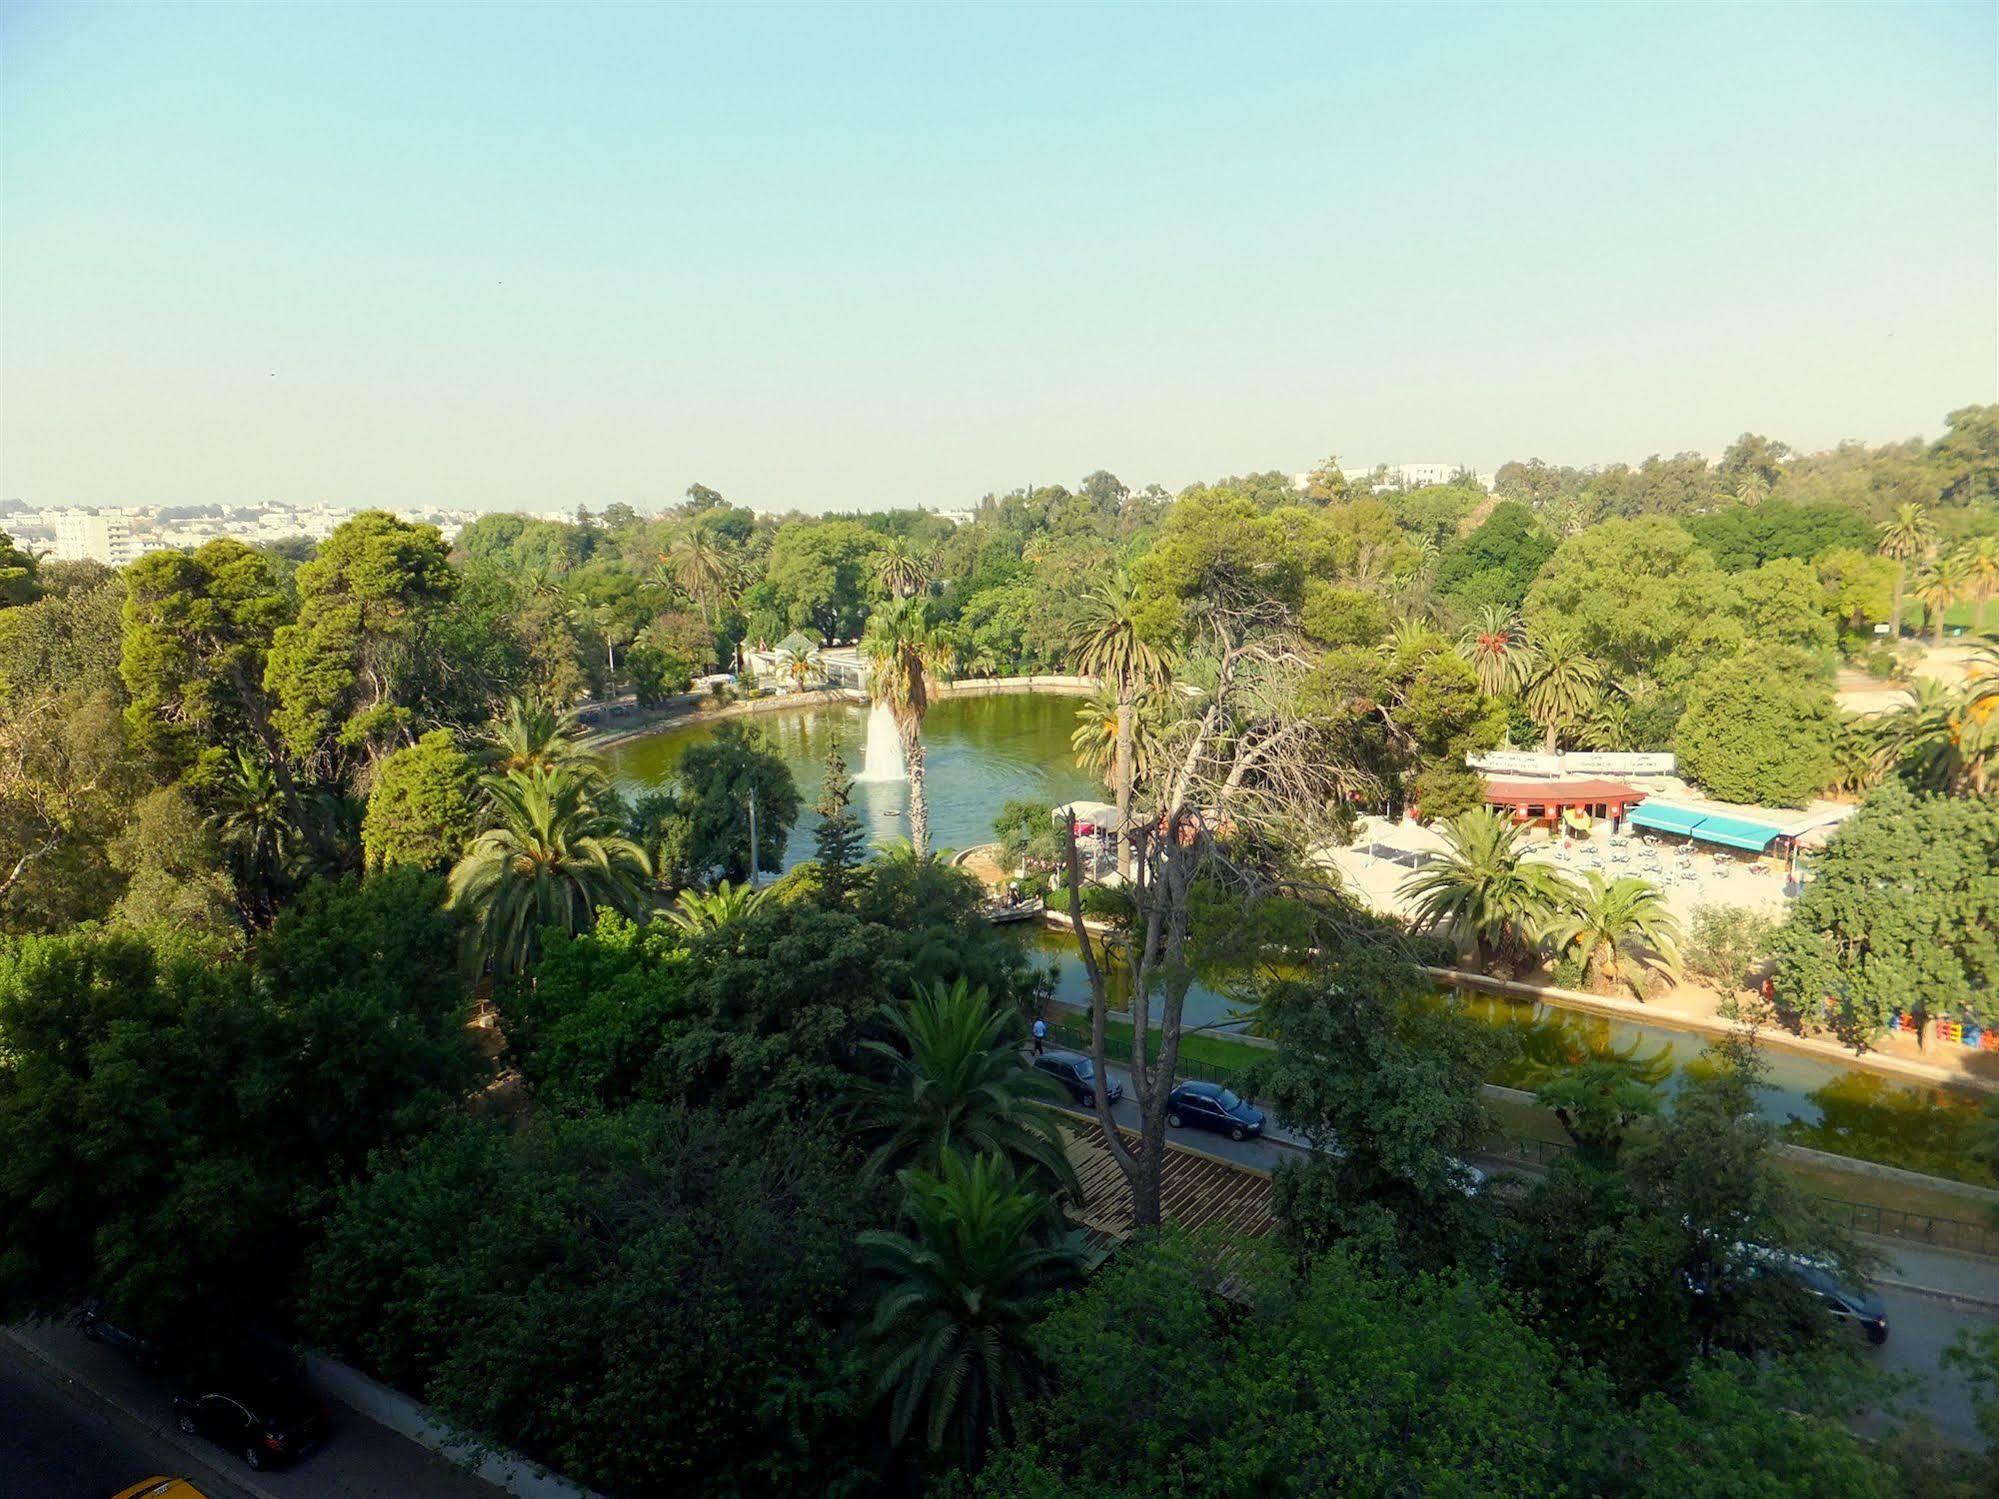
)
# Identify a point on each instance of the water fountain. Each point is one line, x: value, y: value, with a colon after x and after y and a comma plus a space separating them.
x: 882, y: 759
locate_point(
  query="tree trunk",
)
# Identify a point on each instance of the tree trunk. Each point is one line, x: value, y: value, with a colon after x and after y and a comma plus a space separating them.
x: 1936, y: 637
x: 1126, y: 719
x: 1895, y: 606
x: 919, y: 810
x: 1548, y: 744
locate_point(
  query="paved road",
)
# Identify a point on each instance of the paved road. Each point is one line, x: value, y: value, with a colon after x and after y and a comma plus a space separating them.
x: 1920, y: 1326
x: 57, y: 1442
x: 363, y: 1461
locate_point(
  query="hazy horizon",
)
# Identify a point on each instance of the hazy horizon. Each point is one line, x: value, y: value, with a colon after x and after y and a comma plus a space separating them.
x: 817, y: 259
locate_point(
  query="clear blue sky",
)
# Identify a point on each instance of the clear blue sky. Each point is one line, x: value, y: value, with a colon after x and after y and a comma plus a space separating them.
x: 828, y: 257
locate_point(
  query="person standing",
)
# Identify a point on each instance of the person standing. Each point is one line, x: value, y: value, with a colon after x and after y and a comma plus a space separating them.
x: 1040, y: 1031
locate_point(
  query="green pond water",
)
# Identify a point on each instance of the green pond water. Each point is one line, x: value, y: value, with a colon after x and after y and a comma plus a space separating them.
x: 982, y: 752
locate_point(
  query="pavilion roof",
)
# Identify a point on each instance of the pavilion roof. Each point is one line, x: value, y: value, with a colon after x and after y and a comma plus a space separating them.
x: 1567, y: 793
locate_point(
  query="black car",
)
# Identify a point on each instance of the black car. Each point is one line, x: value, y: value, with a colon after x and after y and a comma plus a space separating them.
x: 270, y: 1421
x: 1860, y: 1307
x: 94, y: 1325
x: 1211, y: 1106
x: 1078, y: 1074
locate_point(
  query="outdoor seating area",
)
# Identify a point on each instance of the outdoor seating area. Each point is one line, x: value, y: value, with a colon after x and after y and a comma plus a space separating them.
x: 1699, y: 874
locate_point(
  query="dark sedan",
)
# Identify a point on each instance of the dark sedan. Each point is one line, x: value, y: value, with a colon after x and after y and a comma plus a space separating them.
x: 1078, y: 1074
x: 1857, y: 1305
x: 1211, y: 1106
x: 269, y: 1421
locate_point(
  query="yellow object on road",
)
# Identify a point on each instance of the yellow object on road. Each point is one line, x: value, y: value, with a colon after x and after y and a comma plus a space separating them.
x: 160, y: 1488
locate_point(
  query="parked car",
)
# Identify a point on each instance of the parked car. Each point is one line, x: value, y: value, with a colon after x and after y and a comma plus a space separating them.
x: 1211, y: 1106
x: 1859, y: 1306
x: 1078, y: 1074
x: 97, y: 1327
x: 160, y: 1488
x: 270, y: 1420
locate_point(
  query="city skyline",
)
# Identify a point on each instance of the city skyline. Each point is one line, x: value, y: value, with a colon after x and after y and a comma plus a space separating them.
x: 863, y: 258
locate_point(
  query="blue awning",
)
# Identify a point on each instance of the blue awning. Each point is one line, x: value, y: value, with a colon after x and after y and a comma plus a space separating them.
x: 1736, y: 832
x: 1666, y: 817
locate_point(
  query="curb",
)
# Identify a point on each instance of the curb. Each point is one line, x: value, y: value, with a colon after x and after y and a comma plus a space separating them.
x: 1956, y: 1298
x: 165, y: 1431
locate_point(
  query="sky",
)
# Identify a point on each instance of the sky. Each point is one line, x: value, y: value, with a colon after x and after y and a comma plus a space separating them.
x: 828, y: 257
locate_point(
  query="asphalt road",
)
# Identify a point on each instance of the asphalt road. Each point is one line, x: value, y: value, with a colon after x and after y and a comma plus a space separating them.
x: 58, y: 1442
x: 1920, y: 1326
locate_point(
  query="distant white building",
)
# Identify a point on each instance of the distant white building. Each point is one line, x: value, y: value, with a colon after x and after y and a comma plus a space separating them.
x: 1409, y: 475
x: 99, y: 536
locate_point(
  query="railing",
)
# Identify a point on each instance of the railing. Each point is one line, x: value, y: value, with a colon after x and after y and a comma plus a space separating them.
x: 1917, y: 1228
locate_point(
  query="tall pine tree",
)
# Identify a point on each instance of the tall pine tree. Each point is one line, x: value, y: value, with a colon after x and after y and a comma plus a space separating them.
x: 839, y: 840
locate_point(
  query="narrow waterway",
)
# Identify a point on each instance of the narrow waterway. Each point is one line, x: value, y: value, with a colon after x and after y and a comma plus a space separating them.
x: 982, y: 752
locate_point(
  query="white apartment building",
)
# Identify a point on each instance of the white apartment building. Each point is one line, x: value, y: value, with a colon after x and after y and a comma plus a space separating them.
x: 98, y: 537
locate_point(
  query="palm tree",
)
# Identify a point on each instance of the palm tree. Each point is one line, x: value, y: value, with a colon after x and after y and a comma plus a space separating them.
x: 1482, y: 889
x: 1905, y: 539
x: 800, y: 666
x: 1608, y: 726
x: 1940, y: 585
x: 1111, y: 646
x: 529, y: 733
x: 1753, y: 490
x: 1979, y: 557
x: 1916, y: 738
x: 551, y: 858
x: 904, y: 651
x: 1858, y: 759
x: 1624, y: 920
x: 899, y: 571
x: 959, y: 1296
x: 1094, y: 740
x: 1495, y: 646
x: 698, y: 913
x: 957, y: 1082
x: 257, y: 823
x: 1562, y: 681
x: 701, y: 566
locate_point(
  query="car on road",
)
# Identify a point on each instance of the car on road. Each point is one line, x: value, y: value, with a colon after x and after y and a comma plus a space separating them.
x: 160, y: 1488
x: 1077, y: 1074
x: 94, y: 1325
x: 1211, y: 1106
x: 268, y: 1420
x: 1860, y: 1306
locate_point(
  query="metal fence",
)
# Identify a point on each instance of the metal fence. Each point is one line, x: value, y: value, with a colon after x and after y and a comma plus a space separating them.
x: 1967, y: 1236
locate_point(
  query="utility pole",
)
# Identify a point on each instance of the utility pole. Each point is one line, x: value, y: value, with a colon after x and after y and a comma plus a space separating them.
x: 753, y: 836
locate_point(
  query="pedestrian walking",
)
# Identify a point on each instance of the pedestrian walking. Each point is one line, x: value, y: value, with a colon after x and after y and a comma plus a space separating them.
x: 1040, y: 1034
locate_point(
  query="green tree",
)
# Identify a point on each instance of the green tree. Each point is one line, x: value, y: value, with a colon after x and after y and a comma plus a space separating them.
x: 958, y: 1298
x: 1758, y: 728
x: 198, y: 629
x: 904, y: 651
x: 714, y: 785
x: 262, y: 827
x: 344, y: 672
x: 550, y: 858
x: 1899, y: 917
x: 1636, y: 592
x: 1907, y: 537
x: 18, y: 583
x: 1482, y: 890
x: 421, y: 809
x: 838, y: 842
x: 176, y: 1120
x: 1387, y: 1091
x: 650, y: 1301
x: 950, y: 1076
x: 1494, y: 566
x: 1609, y: 924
